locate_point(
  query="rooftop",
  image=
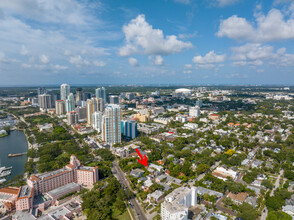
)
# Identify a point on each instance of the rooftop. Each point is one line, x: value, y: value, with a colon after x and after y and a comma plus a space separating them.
x: 65, y: 188
x: 9, y: 190
x: 57, y: 214
x: 49, y: 174
x: 239, y: 197
x: 86, y: 168
x: 25, y: 191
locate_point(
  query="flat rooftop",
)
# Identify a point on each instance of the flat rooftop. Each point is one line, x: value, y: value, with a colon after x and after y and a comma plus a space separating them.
x: 65, y: 188
x: 5, y: 196
x: 25, y: 191
x: 45, y: 175
x: 85, y: 168
x: 57, y: 214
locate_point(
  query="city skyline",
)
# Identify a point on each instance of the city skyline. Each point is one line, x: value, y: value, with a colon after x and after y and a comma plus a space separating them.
x: 154, y: 42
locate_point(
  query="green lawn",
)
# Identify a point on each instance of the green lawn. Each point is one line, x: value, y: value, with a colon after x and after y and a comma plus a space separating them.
x: 124, y: 216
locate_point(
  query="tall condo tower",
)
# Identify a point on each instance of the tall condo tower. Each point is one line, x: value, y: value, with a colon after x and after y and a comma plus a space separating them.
x: 64, y: 91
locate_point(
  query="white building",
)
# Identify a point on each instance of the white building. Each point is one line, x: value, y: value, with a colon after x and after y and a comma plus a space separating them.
x: 194, y: 111
x: 64, y: 91
x: 190, y: 126
x: 97, y: 121
x: 223, y: 173
x: 111, y: 125
x: 164, y: 121
x: 177, y: 203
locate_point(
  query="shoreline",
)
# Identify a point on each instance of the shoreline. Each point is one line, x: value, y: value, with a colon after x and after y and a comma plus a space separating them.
x: 3, y: 135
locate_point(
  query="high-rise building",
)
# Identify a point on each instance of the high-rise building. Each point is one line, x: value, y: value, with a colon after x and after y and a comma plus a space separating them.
x: 199, y: 103
x: 100, y: 104
x: 97, y: 121
x: 70, y: 103
x: 101, y: 93
x: 60, y: 107
x: 194, y: 111
x: 129, y: 128
x: 64, y: 91
x: 130, y: 96
x: 45, y: 101
x: 79, y: 95
x: 90, y: 111
x: 94, y: 105
x: 42, y: 91
x: 86, y: 96
x: 53, y: 99
x: 114, y: 99
x: 111, y: 125
x: 82, y: 112
x: 72, y: 117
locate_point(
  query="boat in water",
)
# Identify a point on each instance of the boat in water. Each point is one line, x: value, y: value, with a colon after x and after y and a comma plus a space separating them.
x: 2, y: 180
x: 16, y: 155
x: 5, y: 171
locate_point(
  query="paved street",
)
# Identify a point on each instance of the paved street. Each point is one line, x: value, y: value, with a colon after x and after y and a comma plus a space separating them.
x: 139, y: 213
x: 277, y: 185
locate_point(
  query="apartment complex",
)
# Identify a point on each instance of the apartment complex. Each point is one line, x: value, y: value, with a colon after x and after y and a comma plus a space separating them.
x: 73, y: 172
x: 111, y: 125
x: 129, y: 128
x: 177, y: 203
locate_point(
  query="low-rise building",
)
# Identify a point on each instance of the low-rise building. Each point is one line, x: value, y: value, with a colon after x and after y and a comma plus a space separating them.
x: 156, y: 196
x: 238, y: 198
x: 45, y: 127
x: 223, y: 174
x: 137, y: 173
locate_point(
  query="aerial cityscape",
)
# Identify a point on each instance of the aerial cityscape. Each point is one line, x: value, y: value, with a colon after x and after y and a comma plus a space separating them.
x: 147, y: 110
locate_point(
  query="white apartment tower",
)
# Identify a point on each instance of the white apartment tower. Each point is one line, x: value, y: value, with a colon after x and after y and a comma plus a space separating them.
x: 101, y: 93
x: 70, y: 103
x: 97, y: 121
x: 111, y: 125
x: 45, y: 101
x: 64, y: 91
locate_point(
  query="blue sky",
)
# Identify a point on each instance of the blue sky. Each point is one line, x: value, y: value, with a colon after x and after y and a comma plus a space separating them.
x: 146, y: 42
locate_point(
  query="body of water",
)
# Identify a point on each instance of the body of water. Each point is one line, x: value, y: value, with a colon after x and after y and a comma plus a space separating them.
x: 15, y: 142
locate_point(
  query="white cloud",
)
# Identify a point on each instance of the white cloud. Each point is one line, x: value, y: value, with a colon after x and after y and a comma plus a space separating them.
x: 55, y: 11
x: 236, y: 75
x: 209, y: 59
x: 223, y: 3
x: 141, y: 38
x: 270, y: 27
x: 187, y: 36
x: 252, y: 52
x: 188, y: 66
x: 133, y: 61
x: 59, y: 67
x: 26, y: 65
x: 158, y: 60
x: 24, y: 51
x: 4, y: 59
x: 78, y: 61
x: 282, y: 1
x: 187, y: 71
x: 186, y: 2
x: 256, y: 54
x: 99, y: 63
x: 44, y: 59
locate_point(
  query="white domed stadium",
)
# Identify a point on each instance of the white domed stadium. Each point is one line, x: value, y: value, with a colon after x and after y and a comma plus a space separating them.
x: 183, y: 91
